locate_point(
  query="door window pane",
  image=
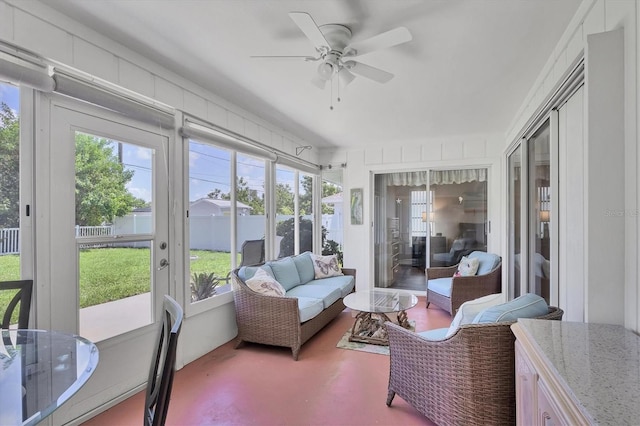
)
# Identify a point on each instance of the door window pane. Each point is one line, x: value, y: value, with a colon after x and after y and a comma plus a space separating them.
x: 515, y: 248
x: 209, y: 220
x: 540, y: 212
x: 9, y: 190
x: 113, y: 199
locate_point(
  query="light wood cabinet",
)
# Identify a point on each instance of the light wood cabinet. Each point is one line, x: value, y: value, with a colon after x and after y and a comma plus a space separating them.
x: 541, y: 398
x: 535, y: 405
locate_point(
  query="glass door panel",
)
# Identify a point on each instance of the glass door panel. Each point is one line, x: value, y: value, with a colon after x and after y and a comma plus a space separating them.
x: 114, y: 221
x: 458, y: 213
x: 515, y: 217
x: 9, y: 186
x: 540, y: 206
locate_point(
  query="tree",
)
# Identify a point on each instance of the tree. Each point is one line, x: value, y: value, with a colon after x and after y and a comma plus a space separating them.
x: 250, y: 197
x: 244, y: 194
x: 284, y: 199
x: 306, y: 195
x: 101, y: 179
x: 9, y: 168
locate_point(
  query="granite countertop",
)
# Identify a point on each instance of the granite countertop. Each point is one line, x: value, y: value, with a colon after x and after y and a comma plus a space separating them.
x: 598, y: 363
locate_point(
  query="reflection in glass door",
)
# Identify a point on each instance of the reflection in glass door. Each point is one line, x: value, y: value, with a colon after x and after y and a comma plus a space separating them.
x: 458, y: 213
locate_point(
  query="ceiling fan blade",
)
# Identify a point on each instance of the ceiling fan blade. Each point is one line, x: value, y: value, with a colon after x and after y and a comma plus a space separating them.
x: 320, y: 83
x: 310, y: 29
x: 381, y: 41
x: 367, y: 71
x: 345, y: 76
x: 306, y: 58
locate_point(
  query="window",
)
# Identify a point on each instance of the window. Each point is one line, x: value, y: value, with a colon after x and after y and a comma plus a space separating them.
x: 294, y: 212
x: 210, y: 212
x: 250, y: 198
x: 9, y: 183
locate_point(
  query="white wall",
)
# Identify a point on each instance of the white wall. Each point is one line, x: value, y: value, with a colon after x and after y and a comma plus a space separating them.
x: 593, y: 17
x: 396, y: 156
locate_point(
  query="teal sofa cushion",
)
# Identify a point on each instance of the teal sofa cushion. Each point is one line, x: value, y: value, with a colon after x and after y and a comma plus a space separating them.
x: 304, y: 265
x: 488, y: 261
x: 441, y: 286
x: 285, y: 272
x: 309, y: 307
x: 343, y: 282
x: 528, y: 305
x: 326, y: 294
x: 247, y: 272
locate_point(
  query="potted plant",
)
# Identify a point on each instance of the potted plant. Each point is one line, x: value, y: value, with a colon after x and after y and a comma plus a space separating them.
x: 203, y: 285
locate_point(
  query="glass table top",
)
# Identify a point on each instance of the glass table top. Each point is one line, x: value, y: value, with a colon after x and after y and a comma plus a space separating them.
x: 380, y: 301
x: 39, y: 371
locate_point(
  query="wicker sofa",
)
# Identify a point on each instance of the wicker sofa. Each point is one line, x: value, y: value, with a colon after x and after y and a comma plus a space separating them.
x: 467, y: 378
x: 449, y: 292
x: 283, y: 321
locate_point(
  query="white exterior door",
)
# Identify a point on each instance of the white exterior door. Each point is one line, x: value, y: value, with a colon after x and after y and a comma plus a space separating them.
x: 102, y: 250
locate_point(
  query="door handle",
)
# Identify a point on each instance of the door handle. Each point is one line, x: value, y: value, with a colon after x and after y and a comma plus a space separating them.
x: 163, y: 264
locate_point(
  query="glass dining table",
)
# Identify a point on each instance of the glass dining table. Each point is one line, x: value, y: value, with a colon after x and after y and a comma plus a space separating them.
x: 39, y: 371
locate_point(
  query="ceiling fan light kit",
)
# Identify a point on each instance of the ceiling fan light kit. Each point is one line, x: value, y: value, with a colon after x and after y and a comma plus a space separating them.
x: 336, y: 52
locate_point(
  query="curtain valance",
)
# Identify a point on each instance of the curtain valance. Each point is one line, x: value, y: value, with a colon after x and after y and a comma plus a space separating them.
x: 438, y: 177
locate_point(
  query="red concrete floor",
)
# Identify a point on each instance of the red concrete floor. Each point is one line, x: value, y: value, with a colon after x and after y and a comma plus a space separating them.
x: 263, y: 385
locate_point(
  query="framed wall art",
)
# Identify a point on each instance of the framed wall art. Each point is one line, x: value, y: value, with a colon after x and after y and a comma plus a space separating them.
x: 356, y: 206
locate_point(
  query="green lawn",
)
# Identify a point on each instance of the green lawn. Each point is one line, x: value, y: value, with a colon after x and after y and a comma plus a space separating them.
x: 108, y: 274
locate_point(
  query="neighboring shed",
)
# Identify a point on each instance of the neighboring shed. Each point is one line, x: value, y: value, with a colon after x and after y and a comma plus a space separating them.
x: 216, y: 207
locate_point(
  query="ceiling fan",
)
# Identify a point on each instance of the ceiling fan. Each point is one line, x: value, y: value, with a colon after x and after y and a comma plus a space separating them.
x: 336, y: 52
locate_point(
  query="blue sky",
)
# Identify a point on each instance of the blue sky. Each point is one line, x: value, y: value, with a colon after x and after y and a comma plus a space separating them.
x: 10, y: 95
x: 209, y: 166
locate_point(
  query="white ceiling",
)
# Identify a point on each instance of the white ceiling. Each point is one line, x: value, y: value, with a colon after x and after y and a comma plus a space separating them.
x: 467, y: 70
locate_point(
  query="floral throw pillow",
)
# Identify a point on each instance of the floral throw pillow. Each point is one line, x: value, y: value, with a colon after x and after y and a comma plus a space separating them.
x: 326, y: 266
x: 264, y: 283
x: 467, y: 267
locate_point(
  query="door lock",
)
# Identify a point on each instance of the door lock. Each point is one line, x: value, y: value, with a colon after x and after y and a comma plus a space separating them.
x: 163, y: 264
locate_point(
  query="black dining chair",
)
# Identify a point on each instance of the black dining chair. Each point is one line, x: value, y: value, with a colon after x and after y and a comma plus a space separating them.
x: 23, y: 297
x: 163, y: 365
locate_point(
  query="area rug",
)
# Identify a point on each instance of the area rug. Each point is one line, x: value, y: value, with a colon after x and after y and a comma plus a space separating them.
x: 344, y: 343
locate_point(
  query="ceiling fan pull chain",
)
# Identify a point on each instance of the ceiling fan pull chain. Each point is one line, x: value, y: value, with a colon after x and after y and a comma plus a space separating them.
x: 338, y: 83
x: 331, y: 95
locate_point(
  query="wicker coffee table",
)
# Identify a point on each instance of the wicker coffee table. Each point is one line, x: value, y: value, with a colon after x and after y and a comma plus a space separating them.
x: 373, y: 307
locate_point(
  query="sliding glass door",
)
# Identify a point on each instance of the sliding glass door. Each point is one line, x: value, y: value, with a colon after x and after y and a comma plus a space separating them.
x: 426, y: 218
x: 531, y: 211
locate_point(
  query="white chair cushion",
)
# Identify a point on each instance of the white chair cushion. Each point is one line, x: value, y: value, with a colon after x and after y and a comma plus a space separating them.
x: 470, y: 309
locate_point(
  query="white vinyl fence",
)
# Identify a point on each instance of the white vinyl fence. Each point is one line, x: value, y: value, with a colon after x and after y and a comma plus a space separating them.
x: 206, y: 232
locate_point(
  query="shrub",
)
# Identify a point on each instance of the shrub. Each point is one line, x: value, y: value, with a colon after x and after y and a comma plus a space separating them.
x: 203, y: 285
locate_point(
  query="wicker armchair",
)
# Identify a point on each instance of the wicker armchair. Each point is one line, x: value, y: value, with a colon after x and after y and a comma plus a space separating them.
x: 463, y: 288
x: 468, y: 378
x: 272, y: 320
